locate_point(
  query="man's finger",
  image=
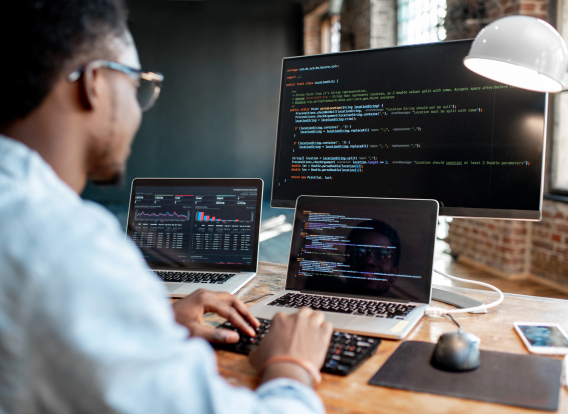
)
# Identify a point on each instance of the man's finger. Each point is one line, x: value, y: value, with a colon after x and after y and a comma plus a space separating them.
x: 227, y: 311
x: 216, y: 301
x: 327, y: 328
x: 213, y: 334
x: 305, y: 312
x: 317, y: 318
x: 243, y: 310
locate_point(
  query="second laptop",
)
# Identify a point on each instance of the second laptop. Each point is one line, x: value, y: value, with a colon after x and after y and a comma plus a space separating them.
x: 197, y: 233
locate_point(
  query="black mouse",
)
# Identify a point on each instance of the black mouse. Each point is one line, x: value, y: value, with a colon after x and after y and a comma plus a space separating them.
x: 456, y: 352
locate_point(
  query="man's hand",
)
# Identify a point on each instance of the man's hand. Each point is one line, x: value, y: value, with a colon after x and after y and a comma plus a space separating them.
x: 304, y: 335
x: 189, y: 312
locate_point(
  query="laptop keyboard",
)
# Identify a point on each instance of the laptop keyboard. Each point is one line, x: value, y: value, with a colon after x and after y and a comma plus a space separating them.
x: 361, y: 307
x: 344, y: 354
x: 192, y: 277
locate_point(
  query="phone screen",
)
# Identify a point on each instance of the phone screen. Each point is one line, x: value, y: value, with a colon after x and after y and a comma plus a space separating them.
x: 549, y: 336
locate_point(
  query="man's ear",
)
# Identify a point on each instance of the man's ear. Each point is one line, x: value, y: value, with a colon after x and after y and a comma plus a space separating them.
x: 89, y: 93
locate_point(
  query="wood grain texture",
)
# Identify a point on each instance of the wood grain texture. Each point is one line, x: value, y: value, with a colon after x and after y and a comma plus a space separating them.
x: 351, y: 394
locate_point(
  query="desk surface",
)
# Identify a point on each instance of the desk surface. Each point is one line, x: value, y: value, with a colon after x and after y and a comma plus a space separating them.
x: 351, y: 394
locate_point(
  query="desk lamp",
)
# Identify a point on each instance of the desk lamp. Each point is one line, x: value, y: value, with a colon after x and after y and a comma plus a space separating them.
x: 520, y: 51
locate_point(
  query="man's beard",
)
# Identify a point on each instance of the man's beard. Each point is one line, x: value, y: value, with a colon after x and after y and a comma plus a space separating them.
x: 118, y: 179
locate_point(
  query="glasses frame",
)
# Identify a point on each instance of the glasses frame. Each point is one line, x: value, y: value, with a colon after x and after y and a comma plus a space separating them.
x: 357, y: 255
x: 136, y: 74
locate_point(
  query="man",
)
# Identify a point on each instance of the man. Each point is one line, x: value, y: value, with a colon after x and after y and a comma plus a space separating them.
x: 82, y: 328
x: 374, y: 251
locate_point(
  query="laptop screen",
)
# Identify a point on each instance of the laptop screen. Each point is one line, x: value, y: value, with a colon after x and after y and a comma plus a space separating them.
x: 381, y: 248
x: 196, y: 223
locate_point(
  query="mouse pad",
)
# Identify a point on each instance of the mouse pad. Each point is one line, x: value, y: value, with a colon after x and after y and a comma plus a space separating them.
x: 528, y: 381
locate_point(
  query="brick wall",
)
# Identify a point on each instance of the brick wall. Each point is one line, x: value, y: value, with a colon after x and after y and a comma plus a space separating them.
x: 549, y: 247
x: 517, y: 249
x: 501, y: 245
x: 465, y: 18
x: 314, y: 13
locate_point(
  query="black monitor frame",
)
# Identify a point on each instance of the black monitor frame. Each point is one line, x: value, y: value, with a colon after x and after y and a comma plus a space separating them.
x: 463, y: 212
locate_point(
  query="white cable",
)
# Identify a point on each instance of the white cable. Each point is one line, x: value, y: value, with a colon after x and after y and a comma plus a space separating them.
x: 430, y: 310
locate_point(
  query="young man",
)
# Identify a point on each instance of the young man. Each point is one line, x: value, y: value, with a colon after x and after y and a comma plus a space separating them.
x: 82, y: 328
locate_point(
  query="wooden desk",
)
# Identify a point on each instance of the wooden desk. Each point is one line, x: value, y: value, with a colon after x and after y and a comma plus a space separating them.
x: 351, y: 394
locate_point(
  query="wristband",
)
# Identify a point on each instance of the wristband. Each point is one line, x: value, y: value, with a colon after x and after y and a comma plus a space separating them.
x: 308, y: 366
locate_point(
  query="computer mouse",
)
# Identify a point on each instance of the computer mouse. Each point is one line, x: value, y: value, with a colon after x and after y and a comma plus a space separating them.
x: 456, y: 352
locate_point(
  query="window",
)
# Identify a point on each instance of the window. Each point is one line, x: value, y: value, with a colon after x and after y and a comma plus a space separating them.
x: 330, y: 34
x: 421, y: 21
x: 559, y: 177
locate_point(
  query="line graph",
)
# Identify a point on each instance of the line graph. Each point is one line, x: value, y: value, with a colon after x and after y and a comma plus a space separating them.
x: 142, y: 215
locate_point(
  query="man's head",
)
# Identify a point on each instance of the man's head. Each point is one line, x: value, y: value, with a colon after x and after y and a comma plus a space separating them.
x: 43, y: 42
x: 375, y: 247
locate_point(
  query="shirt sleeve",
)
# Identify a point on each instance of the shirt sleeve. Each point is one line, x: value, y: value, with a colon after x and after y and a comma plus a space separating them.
x: 104, y: 338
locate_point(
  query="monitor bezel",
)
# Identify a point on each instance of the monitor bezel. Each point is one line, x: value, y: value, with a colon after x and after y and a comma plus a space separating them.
x: 258, y: 183
x: 458, y: 212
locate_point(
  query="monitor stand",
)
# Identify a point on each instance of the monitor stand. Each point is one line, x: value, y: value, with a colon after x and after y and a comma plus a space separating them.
x: 459, y: 301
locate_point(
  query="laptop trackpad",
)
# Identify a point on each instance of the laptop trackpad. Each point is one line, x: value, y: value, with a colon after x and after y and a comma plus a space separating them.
x: 173, y: 286
x: 338, y: 320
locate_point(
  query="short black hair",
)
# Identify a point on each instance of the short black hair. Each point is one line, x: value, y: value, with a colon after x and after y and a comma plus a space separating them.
x: 380, y: 227
x: 39, y: 40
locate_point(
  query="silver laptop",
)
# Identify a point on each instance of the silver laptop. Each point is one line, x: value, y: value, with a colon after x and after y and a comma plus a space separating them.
x: 197, y: 233
x: 365, y: 262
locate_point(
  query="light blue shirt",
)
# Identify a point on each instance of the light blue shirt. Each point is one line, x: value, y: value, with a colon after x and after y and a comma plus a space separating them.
x: 84, y: 328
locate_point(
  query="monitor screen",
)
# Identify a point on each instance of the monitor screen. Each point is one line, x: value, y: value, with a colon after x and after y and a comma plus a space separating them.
x: 378, y: 248
x: 409, y: 122
x: 196, y: 223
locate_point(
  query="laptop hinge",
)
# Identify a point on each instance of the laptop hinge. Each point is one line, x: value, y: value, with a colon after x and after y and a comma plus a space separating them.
x: 343, y: 295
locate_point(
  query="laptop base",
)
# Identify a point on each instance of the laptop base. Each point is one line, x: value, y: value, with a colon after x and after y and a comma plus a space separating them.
x: 354, y: 324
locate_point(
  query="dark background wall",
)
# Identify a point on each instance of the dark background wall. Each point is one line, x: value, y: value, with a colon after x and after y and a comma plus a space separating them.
x: 217, y: 114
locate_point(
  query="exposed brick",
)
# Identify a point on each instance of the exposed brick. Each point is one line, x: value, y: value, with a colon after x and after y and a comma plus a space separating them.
x: 543, y: 245
x: 556, y: 237
x: 542, y: 233
x: 562, y: 250
x: 528, y: 7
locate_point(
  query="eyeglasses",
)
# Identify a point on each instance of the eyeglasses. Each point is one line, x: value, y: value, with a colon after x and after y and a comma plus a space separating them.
x: 149, y: 83
x: 378, y: 254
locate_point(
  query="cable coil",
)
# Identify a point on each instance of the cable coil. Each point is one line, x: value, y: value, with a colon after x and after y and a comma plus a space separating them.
x: 431, y: 310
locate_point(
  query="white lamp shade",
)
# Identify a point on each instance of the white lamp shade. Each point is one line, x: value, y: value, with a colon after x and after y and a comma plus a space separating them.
x: 520, y: 51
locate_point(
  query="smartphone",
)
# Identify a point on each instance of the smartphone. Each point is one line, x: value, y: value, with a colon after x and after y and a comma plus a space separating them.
x: 543, y: 338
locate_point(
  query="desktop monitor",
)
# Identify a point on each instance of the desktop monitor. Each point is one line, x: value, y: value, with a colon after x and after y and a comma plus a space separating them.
x: 409, y: 122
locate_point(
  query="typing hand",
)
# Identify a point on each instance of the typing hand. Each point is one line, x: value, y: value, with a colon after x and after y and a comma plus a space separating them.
x: 304, y: 335
x: 189, y: 312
